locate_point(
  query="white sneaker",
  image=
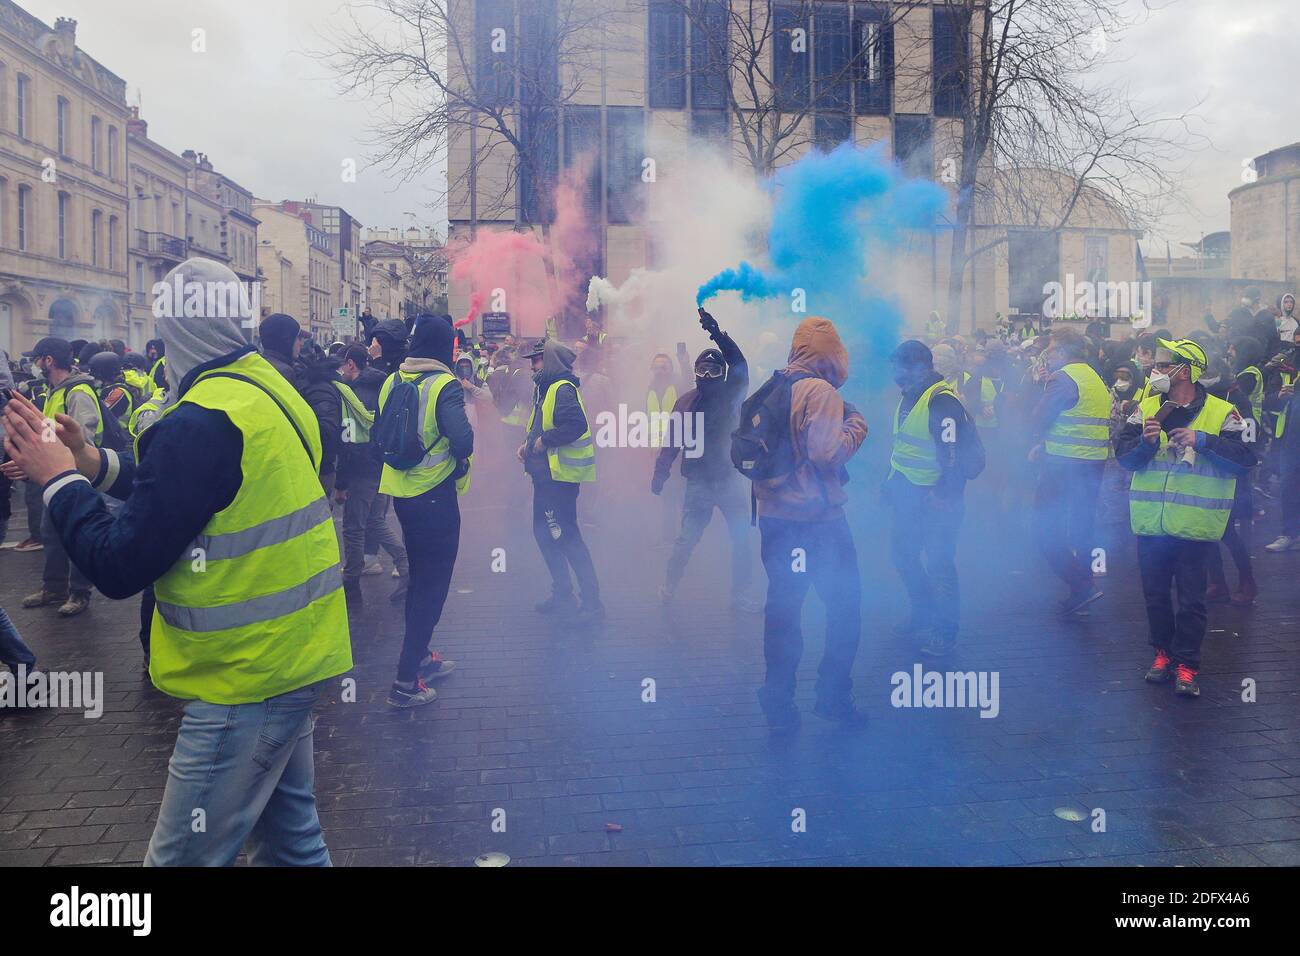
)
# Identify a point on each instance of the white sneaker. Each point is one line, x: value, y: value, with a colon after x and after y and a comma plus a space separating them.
x: 1284, y: 543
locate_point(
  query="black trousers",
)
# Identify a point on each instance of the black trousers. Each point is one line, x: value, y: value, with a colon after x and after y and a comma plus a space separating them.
x: 555, y: 526
x: 702, y: 496
x: 923, y: 528
x: 431, y: 526
x: 1065, y: 511
x: 826, y: 560
x: 1167, y: 563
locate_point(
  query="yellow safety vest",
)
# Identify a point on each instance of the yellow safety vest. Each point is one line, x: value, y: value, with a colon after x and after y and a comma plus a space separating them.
x: 574, y: 462
x: 254, y: 608
x: 153, y: 372
x: 989, y: 392
x: 145, y: 414
x: 57, y: 404
x: 1288, y: 378
x: 1256, y: 393
x: 1082, y: 431
x: 438, y: 462
x: 914, y: 455
x: 357, y: 419
x: 1170, y: 498
x: 657, y: 407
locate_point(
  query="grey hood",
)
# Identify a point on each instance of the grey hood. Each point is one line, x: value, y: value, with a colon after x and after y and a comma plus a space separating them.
x: 557, y: 363
x: 210, y: 327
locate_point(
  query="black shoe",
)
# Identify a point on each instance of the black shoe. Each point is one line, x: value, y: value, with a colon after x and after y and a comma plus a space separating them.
x: 781, y: 713
x: 1077, y: 602
x: 591, y: 613
x: 842, y: 712
x: 352, y: 592
x: 1186, y: 685
x: 399, y: 593
x: 555, y: 604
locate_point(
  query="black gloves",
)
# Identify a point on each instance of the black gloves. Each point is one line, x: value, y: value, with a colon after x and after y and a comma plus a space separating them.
x: 709, y: 324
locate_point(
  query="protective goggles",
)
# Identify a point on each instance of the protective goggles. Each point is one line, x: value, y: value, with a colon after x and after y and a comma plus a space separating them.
x: 708, y: 370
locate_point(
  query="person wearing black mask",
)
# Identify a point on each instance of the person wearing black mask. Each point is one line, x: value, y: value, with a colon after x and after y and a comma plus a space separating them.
x: 701, y: 424
x: 283, y: 347
x: 388, y: 345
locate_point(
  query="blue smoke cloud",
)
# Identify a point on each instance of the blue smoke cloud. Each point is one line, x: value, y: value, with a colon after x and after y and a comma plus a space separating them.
x: 833, y: 214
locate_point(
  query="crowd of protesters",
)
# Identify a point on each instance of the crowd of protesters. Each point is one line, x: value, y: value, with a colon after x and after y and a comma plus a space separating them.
x: 244, y: 488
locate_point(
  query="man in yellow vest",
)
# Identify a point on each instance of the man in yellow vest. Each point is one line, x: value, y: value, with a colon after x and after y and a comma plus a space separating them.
x: 934, y: 442
x: 365, y: 510
x: 559, y: 454
x: 1185, y: 469
x: 72, y: 392
x: 1071, y: 422
x: 425, y: 498
x: 227, y: 519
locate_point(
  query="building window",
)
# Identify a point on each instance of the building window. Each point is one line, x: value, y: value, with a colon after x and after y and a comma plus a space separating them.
x: 494, y: 50
x: 582, y: 145
x: 139, y: 281
x: 24, y: 101
x: 112, y: 152
x: 667, y: 55
x: 914, y: 145
x: 24, y: 209
x: 709, y: 30
x: 625, y: 128
x: 64, y: 119
x: 95, y: 130
x: 96, y: 223
x: 710, y: 126
x: 951, y: 55
x: 63, y: 225
x: 874, y: 63
x: 112, y: 243
x: 830, y: 129
x: 831, y: 47
x: 790, y: 57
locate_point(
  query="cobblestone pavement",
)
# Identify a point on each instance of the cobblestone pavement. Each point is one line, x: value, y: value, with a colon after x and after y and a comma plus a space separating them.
x: 549, y: 725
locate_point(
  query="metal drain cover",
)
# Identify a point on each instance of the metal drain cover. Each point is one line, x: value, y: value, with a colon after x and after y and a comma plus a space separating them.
x: 491, y: 859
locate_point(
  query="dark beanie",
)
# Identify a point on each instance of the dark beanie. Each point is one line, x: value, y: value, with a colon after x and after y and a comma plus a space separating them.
x: 913, y: 353
x: 278, y: 332
x: 433, y: 338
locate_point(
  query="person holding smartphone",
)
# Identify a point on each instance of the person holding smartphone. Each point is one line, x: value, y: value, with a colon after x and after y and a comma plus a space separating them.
x: 1185, y: 450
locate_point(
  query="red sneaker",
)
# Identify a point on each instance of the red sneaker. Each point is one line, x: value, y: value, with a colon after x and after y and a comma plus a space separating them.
x: 1160, y: 668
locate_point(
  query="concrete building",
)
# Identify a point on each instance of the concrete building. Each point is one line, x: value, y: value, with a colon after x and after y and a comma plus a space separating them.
x: 1266, y: 218
x: 180, y: 207
x: 300, y: 267
x: 63, y: 186
x: 644, y: 75
x: 419, y: 258
x: 344, y: 234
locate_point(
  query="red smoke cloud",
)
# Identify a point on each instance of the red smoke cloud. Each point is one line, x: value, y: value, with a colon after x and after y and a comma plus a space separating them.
x: 517, y: 263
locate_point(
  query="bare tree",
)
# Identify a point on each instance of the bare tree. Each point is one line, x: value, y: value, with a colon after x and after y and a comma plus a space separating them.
x: 1035, y: 137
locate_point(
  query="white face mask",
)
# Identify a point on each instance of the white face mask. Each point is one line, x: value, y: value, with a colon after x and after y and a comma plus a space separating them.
x: 1159, y: 382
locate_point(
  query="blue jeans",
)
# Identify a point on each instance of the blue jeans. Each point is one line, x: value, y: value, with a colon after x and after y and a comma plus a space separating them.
x: 249, y: 769
x: 13, y: 649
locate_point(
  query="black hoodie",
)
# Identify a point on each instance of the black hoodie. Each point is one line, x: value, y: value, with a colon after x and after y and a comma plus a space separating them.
x: 356, y: 461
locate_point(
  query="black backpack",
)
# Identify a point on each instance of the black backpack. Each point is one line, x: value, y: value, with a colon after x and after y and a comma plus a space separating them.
x: 762, y: 447
x: 396, y: 437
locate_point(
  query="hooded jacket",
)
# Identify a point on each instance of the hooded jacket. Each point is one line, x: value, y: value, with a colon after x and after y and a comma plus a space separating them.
x: 719, y: 401
x: 570, y: 421
x: 357, y: 462
x: 315, y: 381
x: 826, y: 432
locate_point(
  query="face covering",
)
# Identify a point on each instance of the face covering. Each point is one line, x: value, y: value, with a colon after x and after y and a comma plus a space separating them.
x: 1159, y: 382
x: 1123, y: 387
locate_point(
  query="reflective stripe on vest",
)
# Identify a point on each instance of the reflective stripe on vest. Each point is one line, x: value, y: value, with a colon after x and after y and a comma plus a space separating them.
x: 57, y: 404
x: 1083, y: 430
x: 438, y: 462
x: 357, y: 419
x: 914, y: 455
x: 658, y: 410
x: 254, y: 608
x: 144, y: 416
x: 574, y: 462
x: 1168, y: 497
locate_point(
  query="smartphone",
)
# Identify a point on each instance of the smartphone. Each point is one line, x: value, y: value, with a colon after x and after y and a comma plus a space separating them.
x: 1164, y: 411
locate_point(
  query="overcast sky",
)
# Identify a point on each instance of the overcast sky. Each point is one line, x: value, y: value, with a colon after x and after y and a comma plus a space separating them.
x: 268, y: 115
